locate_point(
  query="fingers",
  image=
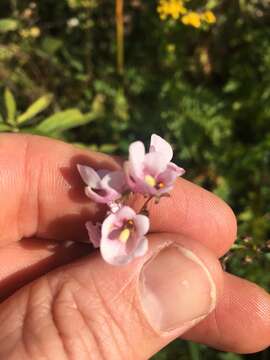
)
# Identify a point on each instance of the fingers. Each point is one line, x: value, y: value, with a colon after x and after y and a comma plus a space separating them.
x: 196, y: 213
x: 91, y: 310
x: 241, y: 320
x: 24, y: 261
x: 42, y: 195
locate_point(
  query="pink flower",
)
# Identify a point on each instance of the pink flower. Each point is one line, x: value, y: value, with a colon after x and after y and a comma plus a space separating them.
x: 94, y: 233
x: 122, y: 236
x: 103, y: 186
x: 151, y: 173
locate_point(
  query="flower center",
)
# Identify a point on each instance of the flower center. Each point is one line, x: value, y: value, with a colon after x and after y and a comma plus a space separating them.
x: 150, y: 180
x: 160, y: 185
x: 124, y: 235
x: 126, y: 232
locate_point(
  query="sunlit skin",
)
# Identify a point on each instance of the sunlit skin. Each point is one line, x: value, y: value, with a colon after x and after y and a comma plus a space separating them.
x: 60, y: 314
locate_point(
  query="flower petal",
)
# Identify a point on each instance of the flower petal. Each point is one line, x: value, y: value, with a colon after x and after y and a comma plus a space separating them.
x: 171, y: 173
x: 142, y: 224
x: 113, y: 252
x: 142, y: 248
x: 108, y: 225
x: 125, y: 213
x: 136, y: 157
x: 160, y: 145
x: 155, y: 163
x: 102, y: 198
x: 102, y: 172
x: 94, y: 232
x: 89, y: 175
x: 114, y: 180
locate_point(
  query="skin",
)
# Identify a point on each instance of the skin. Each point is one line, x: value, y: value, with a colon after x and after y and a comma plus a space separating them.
x: 56, y: 294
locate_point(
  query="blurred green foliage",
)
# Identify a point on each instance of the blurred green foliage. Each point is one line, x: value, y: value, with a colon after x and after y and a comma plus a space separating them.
x: 207, y: 91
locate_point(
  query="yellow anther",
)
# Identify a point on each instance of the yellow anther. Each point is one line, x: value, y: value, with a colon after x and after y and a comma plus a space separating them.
x: 124, y: 235
x: 150, y: 180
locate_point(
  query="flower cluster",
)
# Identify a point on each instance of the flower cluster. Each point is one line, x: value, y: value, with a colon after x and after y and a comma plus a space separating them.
x: 177, y: 10
x: 33, y: 32
x: 121, y: 236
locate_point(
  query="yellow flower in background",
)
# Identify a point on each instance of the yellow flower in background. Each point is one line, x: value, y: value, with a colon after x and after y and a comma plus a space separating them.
x: 192, y: 18
x: 33, y: 32
x: 176, y: 9
x: 173, y: 8
x: 209, y: 17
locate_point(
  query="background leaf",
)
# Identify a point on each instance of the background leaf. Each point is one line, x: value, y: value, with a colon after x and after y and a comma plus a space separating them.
x: 4, y: 127
x: 64, y: 120
x: 38, y: 106
x: 7, y: 25
x: 10, y: 106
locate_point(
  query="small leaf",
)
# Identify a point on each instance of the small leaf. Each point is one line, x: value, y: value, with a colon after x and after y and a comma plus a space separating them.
x: 7, y: 25
x: 51, y: 44
x: 38, y: 106
x: 64, y: 120
x: 4, y: 127
x: 10, y: 106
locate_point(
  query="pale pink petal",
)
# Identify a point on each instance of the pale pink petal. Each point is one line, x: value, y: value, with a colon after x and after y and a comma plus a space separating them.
x: 101, y: 197
x: 142, y: 224
x: 102, y: 172
x: 136, y: 157
x: 108, y: 225
x: 142, y: 248
x: 131, y: 179
x: 132, y: 243
x: 160, y: 145
x: 155, y: 163
x: 89, y: 175
x: 113, y: 252
x: 114, y: 180
x: 94, y: 233
x: 171, y: 173
x: 180, y: 171
x: 125, y: 213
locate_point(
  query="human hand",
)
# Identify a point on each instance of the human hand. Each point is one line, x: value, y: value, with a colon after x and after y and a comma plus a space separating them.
x: 87, y: 309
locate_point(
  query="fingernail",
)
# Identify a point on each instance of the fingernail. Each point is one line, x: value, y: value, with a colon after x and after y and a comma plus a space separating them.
x: 176, y: 289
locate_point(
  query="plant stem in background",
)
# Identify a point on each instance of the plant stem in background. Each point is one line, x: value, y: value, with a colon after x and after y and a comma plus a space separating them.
x: 119, y: 5
x: 88, y: 45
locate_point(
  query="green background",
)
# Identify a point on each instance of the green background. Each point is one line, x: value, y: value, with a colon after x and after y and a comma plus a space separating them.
x: 207, y: 91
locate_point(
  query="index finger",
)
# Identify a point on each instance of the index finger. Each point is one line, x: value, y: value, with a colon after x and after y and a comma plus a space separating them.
x: 42, y: 195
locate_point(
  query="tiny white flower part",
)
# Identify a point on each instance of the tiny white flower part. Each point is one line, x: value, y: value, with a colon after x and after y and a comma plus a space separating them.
x: 123, y: 236
x: 103, y: 186
x: 151, y: 173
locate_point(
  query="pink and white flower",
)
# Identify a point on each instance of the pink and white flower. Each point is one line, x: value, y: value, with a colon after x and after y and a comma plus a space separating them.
x: 123, y: 236
x: 94, y: 233
x: 151, y: 173
x: 103, y: 186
